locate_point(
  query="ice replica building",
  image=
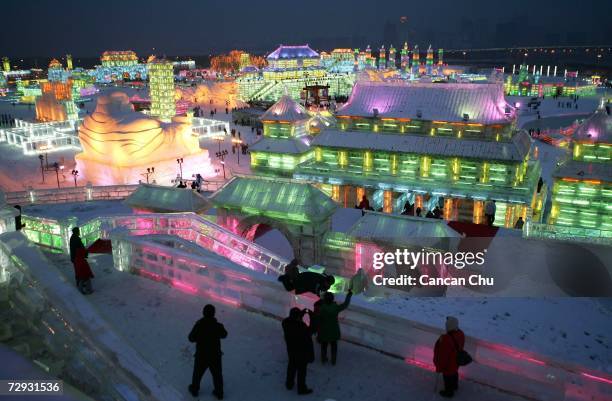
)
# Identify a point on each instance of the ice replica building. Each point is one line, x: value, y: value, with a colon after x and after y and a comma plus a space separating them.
x: 454, y: 145
x: 294, y: 68
x: 582, y: 188
x: 119, y: 66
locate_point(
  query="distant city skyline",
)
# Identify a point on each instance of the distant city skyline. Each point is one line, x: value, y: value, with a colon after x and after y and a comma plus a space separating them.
x: 41, y: 28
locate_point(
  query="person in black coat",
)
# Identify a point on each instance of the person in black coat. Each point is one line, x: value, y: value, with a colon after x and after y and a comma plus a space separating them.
x: 207, y: 334
x: 75, y: 244
x: 300, y: 349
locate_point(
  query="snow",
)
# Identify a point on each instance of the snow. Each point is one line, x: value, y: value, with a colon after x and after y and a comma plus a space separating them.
x: 155, y: 319
x: 84, y: 212
x: 578, y: 326
x: 276, y: 240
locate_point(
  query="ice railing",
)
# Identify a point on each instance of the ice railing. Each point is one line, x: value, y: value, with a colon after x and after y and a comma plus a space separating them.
x: 201, y: 232
x: 61, y: 342
x: 562, y: 233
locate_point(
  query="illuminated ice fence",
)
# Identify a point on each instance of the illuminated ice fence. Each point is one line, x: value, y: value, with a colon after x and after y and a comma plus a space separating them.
x: 206, y: 127
x: 35, y: 138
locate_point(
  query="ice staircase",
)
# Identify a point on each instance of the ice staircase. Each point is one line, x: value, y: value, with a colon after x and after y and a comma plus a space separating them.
x: 201, y: 232
x: 263, y: 91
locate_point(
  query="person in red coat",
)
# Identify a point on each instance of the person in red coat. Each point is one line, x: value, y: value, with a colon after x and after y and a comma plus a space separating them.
x: 445, y: 356
x: 82, y: 271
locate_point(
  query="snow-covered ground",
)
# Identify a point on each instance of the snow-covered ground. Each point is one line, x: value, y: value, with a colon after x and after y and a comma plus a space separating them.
x: 570, y: 329
x: 155, y: 319
x: 83, y: 211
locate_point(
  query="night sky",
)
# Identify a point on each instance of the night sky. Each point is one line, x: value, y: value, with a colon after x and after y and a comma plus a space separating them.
x: 197, y: 27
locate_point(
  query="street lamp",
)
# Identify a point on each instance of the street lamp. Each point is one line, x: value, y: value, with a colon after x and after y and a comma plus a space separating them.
x: 42, y: 167
x: 75, y: 174
x: 237, y: 143
x: 57, y: 168
x: 219, y: 139
x: 180, y: 163
x: 221, y: 155
x: 150, y: 170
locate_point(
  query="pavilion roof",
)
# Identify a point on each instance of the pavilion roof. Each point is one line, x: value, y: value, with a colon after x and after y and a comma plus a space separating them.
x: 275, y: 198
x: 167, y: 199
x: 482, y: 103
x: 292, y: 52
x: 286, y: 109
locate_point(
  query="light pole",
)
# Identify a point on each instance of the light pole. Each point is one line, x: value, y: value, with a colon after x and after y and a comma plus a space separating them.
x: 237, y: 143
x: 150, y: 170
x: 57, y: 167
x: 221, y: 155
x: 75, y: 174
x: 219, y: 139
x: 180, y: 163
x: 42, y: 167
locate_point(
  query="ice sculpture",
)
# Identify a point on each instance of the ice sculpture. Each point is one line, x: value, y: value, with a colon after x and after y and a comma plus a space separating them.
x: 119, y: 145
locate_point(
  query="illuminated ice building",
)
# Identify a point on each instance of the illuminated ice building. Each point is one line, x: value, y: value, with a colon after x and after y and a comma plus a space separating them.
x: 293, y: 68
x: 582, y: 188
x: 452, y: 145
x: 161, y: 88
x: 119, y: 66
x: 540, y: 83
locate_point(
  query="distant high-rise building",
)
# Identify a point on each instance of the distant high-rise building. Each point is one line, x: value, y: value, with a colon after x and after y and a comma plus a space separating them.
x: 6, y: 64
x: 390, y: 33
x: 161, y: 88
x: 69, y: 61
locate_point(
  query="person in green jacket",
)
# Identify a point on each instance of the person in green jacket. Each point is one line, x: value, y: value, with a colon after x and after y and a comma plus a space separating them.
x: 328, y: 326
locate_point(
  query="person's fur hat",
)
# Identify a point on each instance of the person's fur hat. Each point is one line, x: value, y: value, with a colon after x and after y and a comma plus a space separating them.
x: 452, y: 323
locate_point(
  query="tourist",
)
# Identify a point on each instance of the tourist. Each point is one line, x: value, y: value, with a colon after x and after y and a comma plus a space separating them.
x: 18, y: 224
x: 82, y: 272
x: 429, y: 215
x: 408, y: 208
x: 329, y: 328
x: 300, y: 350
x: 540, y: 184
x: 490, y: 209
x: 207, y: 334
x: 76, y: 244
x: 364, y: 204
x: 519, y: 223
x: 418, y: 212
x: 437, y: 212
x: 446, y: 351
x: 181, y: 185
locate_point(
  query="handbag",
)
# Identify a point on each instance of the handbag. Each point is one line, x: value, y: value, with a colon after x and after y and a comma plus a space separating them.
x: 463, y: 357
